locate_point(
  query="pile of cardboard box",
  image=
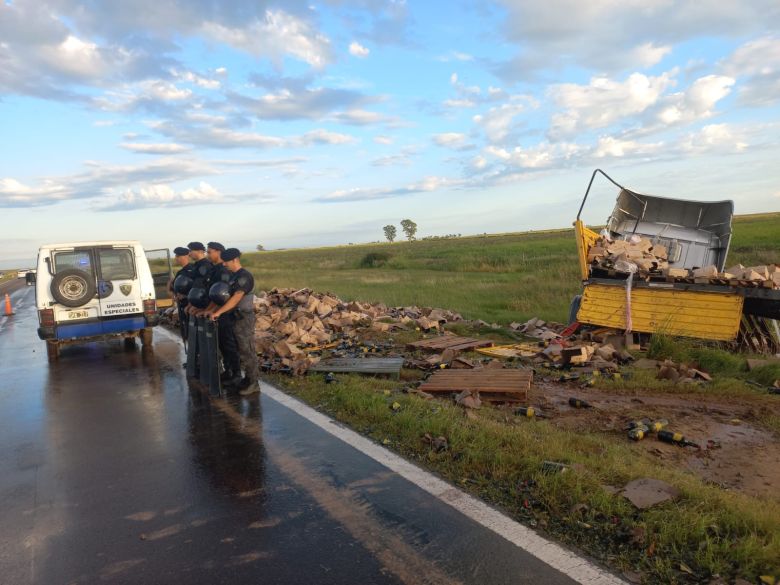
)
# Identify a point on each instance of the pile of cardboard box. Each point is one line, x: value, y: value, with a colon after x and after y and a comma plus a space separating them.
x: 636, y: 254
x: 642, y: 256
x: 292, y: 326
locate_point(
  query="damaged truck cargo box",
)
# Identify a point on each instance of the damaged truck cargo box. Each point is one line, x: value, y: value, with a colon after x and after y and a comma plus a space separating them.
x: 659, y: 266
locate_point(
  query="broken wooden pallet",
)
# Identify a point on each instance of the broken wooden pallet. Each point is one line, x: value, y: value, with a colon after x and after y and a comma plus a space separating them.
x: 512, y: 351
x: 390, y: 366
x: 453, y: 342
x: 493, y: 385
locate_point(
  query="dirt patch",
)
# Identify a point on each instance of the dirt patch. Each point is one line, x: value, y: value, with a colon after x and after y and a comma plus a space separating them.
x: 736, y: 452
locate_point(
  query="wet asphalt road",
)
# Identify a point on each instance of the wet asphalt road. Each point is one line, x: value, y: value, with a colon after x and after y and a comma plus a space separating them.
x: 114, y: 470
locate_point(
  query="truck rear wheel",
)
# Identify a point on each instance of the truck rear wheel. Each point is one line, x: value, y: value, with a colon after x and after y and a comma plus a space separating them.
x: 146, y: 335
x: 52, y: 350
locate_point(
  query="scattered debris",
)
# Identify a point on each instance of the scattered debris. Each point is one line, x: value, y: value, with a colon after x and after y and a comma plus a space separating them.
x: 668, y: 370
x: 438, y: 444
x: 647, y: 492
x: 641, y: 256
x: 469, y: 399
x: 451, y: 343
x: 554, y: 467
x: 676, y: 439
x: 579, y: 403
x: 529, y: 412
x: 368, y: 365
x: 493, y: 385
x: 294, y: 327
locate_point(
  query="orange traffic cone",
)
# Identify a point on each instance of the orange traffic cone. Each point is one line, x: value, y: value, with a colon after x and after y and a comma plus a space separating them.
x: 8, y: 311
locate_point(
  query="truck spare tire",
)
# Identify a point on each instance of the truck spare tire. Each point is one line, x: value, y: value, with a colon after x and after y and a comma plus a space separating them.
x: 72, y: 287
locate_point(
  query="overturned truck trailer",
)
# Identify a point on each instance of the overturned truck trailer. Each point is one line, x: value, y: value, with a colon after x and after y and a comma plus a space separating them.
x: 669, y: 274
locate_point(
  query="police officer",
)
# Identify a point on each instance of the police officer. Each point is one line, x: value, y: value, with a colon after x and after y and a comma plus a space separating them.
x: 241, y: 305
x: 181, y: 257
x: 201, y: 269
x: 225, y: 335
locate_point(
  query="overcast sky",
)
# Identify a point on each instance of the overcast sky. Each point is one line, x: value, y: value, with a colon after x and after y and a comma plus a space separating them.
x: 306, y: 123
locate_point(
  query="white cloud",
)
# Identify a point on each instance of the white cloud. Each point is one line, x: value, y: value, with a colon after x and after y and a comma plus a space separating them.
x: 321, y: 136
x: 425, y: 185
x: 610, y: 147
x: 455, y: 56
x: 279, y: 33
x: 498, y: 122
x: 697, y: 102
x: 603, y: 102
x: 459, y: 103
x: 99, y: 179
x: 76, y: 57
x: 358, y: 117
x: 13, y: 192
x: 299, y: 103
x: 402, y: 158
x: 383, y: 139
x: 758, y: 63
x: 212, y: 134
x: 610, y: 36
x: 723, y: 138
x: 164, y: 196
x: 358, y: 50
x: 199, y: 80
x: 148, y: 148
x: 149, y: 94
x: 454, y: 140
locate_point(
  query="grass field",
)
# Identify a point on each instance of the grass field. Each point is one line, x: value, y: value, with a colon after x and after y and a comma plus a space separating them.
x: 512, y: 277
x: 501, y: 278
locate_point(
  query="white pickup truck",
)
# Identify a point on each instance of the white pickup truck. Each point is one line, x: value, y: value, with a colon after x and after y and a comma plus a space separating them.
x: 93, y: 290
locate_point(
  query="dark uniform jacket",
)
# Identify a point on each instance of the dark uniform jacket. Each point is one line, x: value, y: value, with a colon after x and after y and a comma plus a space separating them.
x: 243, y: 280
x: 200, y: 273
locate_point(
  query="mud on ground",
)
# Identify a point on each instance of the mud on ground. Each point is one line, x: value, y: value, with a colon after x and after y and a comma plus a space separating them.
x: 742, y: 454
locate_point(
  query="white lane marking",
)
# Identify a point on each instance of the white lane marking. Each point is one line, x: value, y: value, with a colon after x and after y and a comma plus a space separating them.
x: 573, y: 566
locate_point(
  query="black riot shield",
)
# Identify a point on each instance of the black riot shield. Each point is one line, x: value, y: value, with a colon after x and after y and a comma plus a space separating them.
x: 203, y: 362
x: 184, y: 328
x: 192, y: 348
x: 212, y: 357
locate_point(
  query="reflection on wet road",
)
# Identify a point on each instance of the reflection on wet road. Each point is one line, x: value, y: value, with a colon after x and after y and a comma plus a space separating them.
x: 113, y: 469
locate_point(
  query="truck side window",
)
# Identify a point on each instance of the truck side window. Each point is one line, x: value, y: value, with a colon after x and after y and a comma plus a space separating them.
x: 116, y: 264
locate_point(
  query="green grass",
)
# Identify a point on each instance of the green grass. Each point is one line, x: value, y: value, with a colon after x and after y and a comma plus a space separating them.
x: 8, y: 275
x: 501, y: 278
x: 512, y: 277
x: 498, y: 458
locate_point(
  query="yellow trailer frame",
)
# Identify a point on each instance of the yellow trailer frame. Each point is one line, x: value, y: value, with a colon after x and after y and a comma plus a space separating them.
x: 705, y: 312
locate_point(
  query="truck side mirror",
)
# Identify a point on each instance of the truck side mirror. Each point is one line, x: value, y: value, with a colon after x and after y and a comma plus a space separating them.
x: 30, y: 277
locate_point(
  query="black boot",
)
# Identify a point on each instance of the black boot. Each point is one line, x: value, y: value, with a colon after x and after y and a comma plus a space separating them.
x: 227, y: 375
x: 233, y: 382
x: 248, y: 387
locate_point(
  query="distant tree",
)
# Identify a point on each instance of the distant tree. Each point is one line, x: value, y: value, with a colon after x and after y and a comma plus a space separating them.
x: 390, y: 233
x: 409, y: 228
x: 260, y: 248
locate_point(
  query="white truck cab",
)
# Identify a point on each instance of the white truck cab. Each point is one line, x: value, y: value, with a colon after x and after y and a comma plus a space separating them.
x: 87, y: 291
